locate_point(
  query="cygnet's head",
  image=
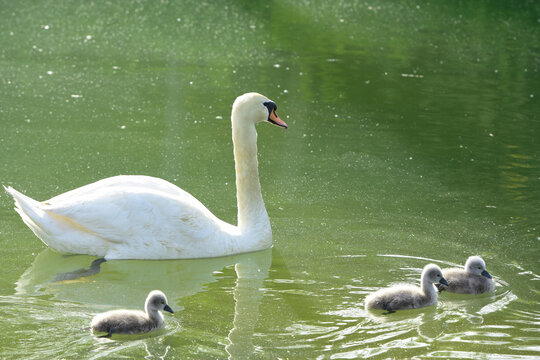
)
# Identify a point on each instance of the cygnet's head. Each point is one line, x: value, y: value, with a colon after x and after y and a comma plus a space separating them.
x: 433, y: 274
x: 475, y: 265
x: 257, y: 108
x: 157, y: 300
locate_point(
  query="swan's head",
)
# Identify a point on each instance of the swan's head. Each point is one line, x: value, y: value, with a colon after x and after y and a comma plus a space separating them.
x: 256, y: 108
x: 433, y: 274
x: 157, y: 300
x: 475, y: 265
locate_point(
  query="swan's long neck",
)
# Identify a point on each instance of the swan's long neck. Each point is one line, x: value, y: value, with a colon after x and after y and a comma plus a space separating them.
x: 252, y: 215
x: 153, y: 315
x: 428, y: 289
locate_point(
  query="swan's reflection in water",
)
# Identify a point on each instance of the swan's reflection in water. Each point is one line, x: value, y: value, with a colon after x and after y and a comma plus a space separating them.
x: 122, y: 283
x: 247, y: 298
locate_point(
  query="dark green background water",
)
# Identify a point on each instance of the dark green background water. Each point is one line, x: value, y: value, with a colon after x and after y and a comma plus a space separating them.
x: 414, y: 138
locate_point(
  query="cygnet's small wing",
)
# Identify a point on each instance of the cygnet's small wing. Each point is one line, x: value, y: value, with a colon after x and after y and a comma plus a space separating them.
x: 122, y: 322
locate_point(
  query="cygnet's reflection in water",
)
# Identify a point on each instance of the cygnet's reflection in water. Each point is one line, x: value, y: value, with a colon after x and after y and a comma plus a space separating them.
x: 176, y: 278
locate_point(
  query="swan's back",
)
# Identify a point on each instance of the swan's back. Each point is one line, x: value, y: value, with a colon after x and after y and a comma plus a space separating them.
x: 473, y: 279
x: 133, y: 321
x: 461, y: 282
x: 124, y: 217
x: 408, y: 296
x: 398, y: 298
x: 124, y: 322
x: 118, y: 183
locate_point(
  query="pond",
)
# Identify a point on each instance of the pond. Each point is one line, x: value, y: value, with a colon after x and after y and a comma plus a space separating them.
x: 413, y: 139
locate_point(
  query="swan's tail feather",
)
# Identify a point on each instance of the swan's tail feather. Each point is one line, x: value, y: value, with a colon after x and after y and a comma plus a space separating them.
x: 31, y: 212
x: 56, y: 231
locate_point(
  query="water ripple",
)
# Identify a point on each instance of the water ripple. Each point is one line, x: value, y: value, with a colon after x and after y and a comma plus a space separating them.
x: 44, y: 324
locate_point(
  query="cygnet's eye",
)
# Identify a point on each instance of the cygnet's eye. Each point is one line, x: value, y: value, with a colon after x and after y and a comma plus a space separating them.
x: 438, y: 275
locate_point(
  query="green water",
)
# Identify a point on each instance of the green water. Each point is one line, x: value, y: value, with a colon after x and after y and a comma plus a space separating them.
x: 413, y: 138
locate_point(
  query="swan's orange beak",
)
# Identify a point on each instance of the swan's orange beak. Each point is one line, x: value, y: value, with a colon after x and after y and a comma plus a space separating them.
x: 274, y: 119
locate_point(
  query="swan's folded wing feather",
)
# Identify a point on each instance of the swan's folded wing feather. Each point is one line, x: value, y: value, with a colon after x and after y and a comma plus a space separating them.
x: 118, y: 184
x: 122, y: 215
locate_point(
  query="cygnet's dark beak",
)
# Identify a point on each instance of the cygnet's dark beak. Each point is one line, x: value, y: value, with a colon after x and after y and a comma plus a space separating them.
x: 444, y: 282
x: 486, y: 274
x: 168, y: 308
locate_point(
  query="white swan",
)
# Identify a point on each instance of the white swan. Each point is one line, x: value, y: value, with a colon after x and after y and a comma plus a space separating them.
x: 408, y: 296
x: 142, y: 217
x: 474, y: 279
x: 133, y: 321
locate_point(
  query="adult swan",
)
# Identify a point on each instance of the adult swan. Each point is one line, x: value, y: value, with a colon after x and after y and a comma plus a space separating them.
x: 142, y: 217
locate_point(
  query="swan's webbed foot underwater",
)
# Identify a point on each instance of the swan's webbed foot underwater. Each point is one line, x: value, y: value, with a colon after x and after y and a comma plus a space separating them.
x: 82, y: 272
x: 96, y: 264
x: 107, y: 335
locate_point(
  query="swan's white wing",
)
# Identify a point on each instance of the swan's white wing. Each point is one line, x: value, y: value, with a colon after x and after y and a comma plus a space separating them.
x: 119, y: 183
x: 128, y: 217
x: 126, y: 211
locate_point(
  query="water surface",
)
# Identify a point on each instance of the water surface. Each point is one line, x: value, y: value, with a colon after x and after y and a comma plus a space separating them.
x: 413, y: 138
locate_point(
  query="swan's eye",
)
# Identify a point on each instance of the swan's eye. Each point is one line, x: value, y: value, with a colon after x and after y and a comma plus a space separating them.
x: 271, y: 106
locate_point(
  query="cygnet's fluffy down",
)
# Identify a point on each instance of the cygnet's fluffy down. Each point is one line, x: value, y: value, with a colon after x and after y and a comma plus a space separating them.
x: 474, y: 279
x: 133, y: 321
x: 408, y: 296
